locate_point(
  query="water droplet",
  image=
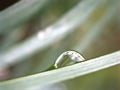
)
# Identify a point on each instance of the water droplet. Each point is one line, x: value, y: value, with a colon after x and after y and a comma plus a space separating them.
x: 68, y: 58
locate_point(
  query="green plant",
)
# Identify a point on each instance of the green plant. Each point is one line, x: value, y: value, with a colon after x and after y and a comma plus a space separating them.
x: 79, y: 29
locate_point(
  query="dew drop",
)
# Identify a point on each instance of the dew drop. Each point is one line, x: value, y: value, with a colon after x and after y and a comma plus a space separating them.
x: 68, y: 58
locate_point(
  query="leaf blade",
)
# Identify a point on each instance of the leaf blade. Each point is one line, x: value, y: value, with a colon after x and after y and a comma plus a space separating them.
x: 20, y: 13
x: 62, y: 74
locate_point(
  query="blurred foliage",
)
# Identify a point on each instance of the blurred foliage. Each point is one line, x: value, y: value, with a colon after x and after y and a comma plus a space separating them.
x: 96, y: 36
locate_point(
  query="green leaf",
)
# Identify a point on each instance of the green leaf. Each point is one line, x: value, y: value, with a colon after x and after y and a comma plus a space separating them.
x: 20, y: 13
x: 65, y: 73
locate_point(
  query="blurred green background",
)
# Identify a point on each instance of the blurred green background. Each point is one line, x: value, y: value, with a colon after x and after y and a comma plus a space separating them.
x: 97, y: 35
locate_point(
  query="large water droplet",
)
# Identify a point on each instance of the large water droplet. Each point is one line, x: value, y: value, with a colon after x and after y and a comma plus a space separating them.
x: 68, y: 58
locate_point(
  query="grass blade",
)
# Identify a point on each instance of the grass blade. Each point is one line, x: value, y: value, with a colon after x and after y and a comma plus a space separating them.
x: 20, y: 13
x: 65, y: 73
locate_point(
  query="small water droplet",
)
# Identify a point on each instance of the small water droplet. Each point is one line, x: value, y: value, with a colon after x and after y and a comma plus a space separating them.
x: 68, y: 58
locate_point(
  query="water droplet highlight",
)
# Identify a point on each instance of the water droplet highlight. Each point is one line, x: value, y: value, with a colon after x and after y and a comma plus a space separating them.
x: 68, y: 58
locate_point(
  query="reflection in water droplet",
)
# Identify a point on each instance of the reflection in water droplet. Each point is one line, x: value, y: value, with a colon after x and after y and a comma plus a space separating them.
x: 68, y: 58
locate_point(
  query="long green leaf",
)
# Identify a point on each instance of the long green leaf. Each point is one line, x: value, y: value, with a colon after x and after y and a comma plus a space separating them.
x: 97, y: 28
x: 65, y: 73
x: 20, y: 13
